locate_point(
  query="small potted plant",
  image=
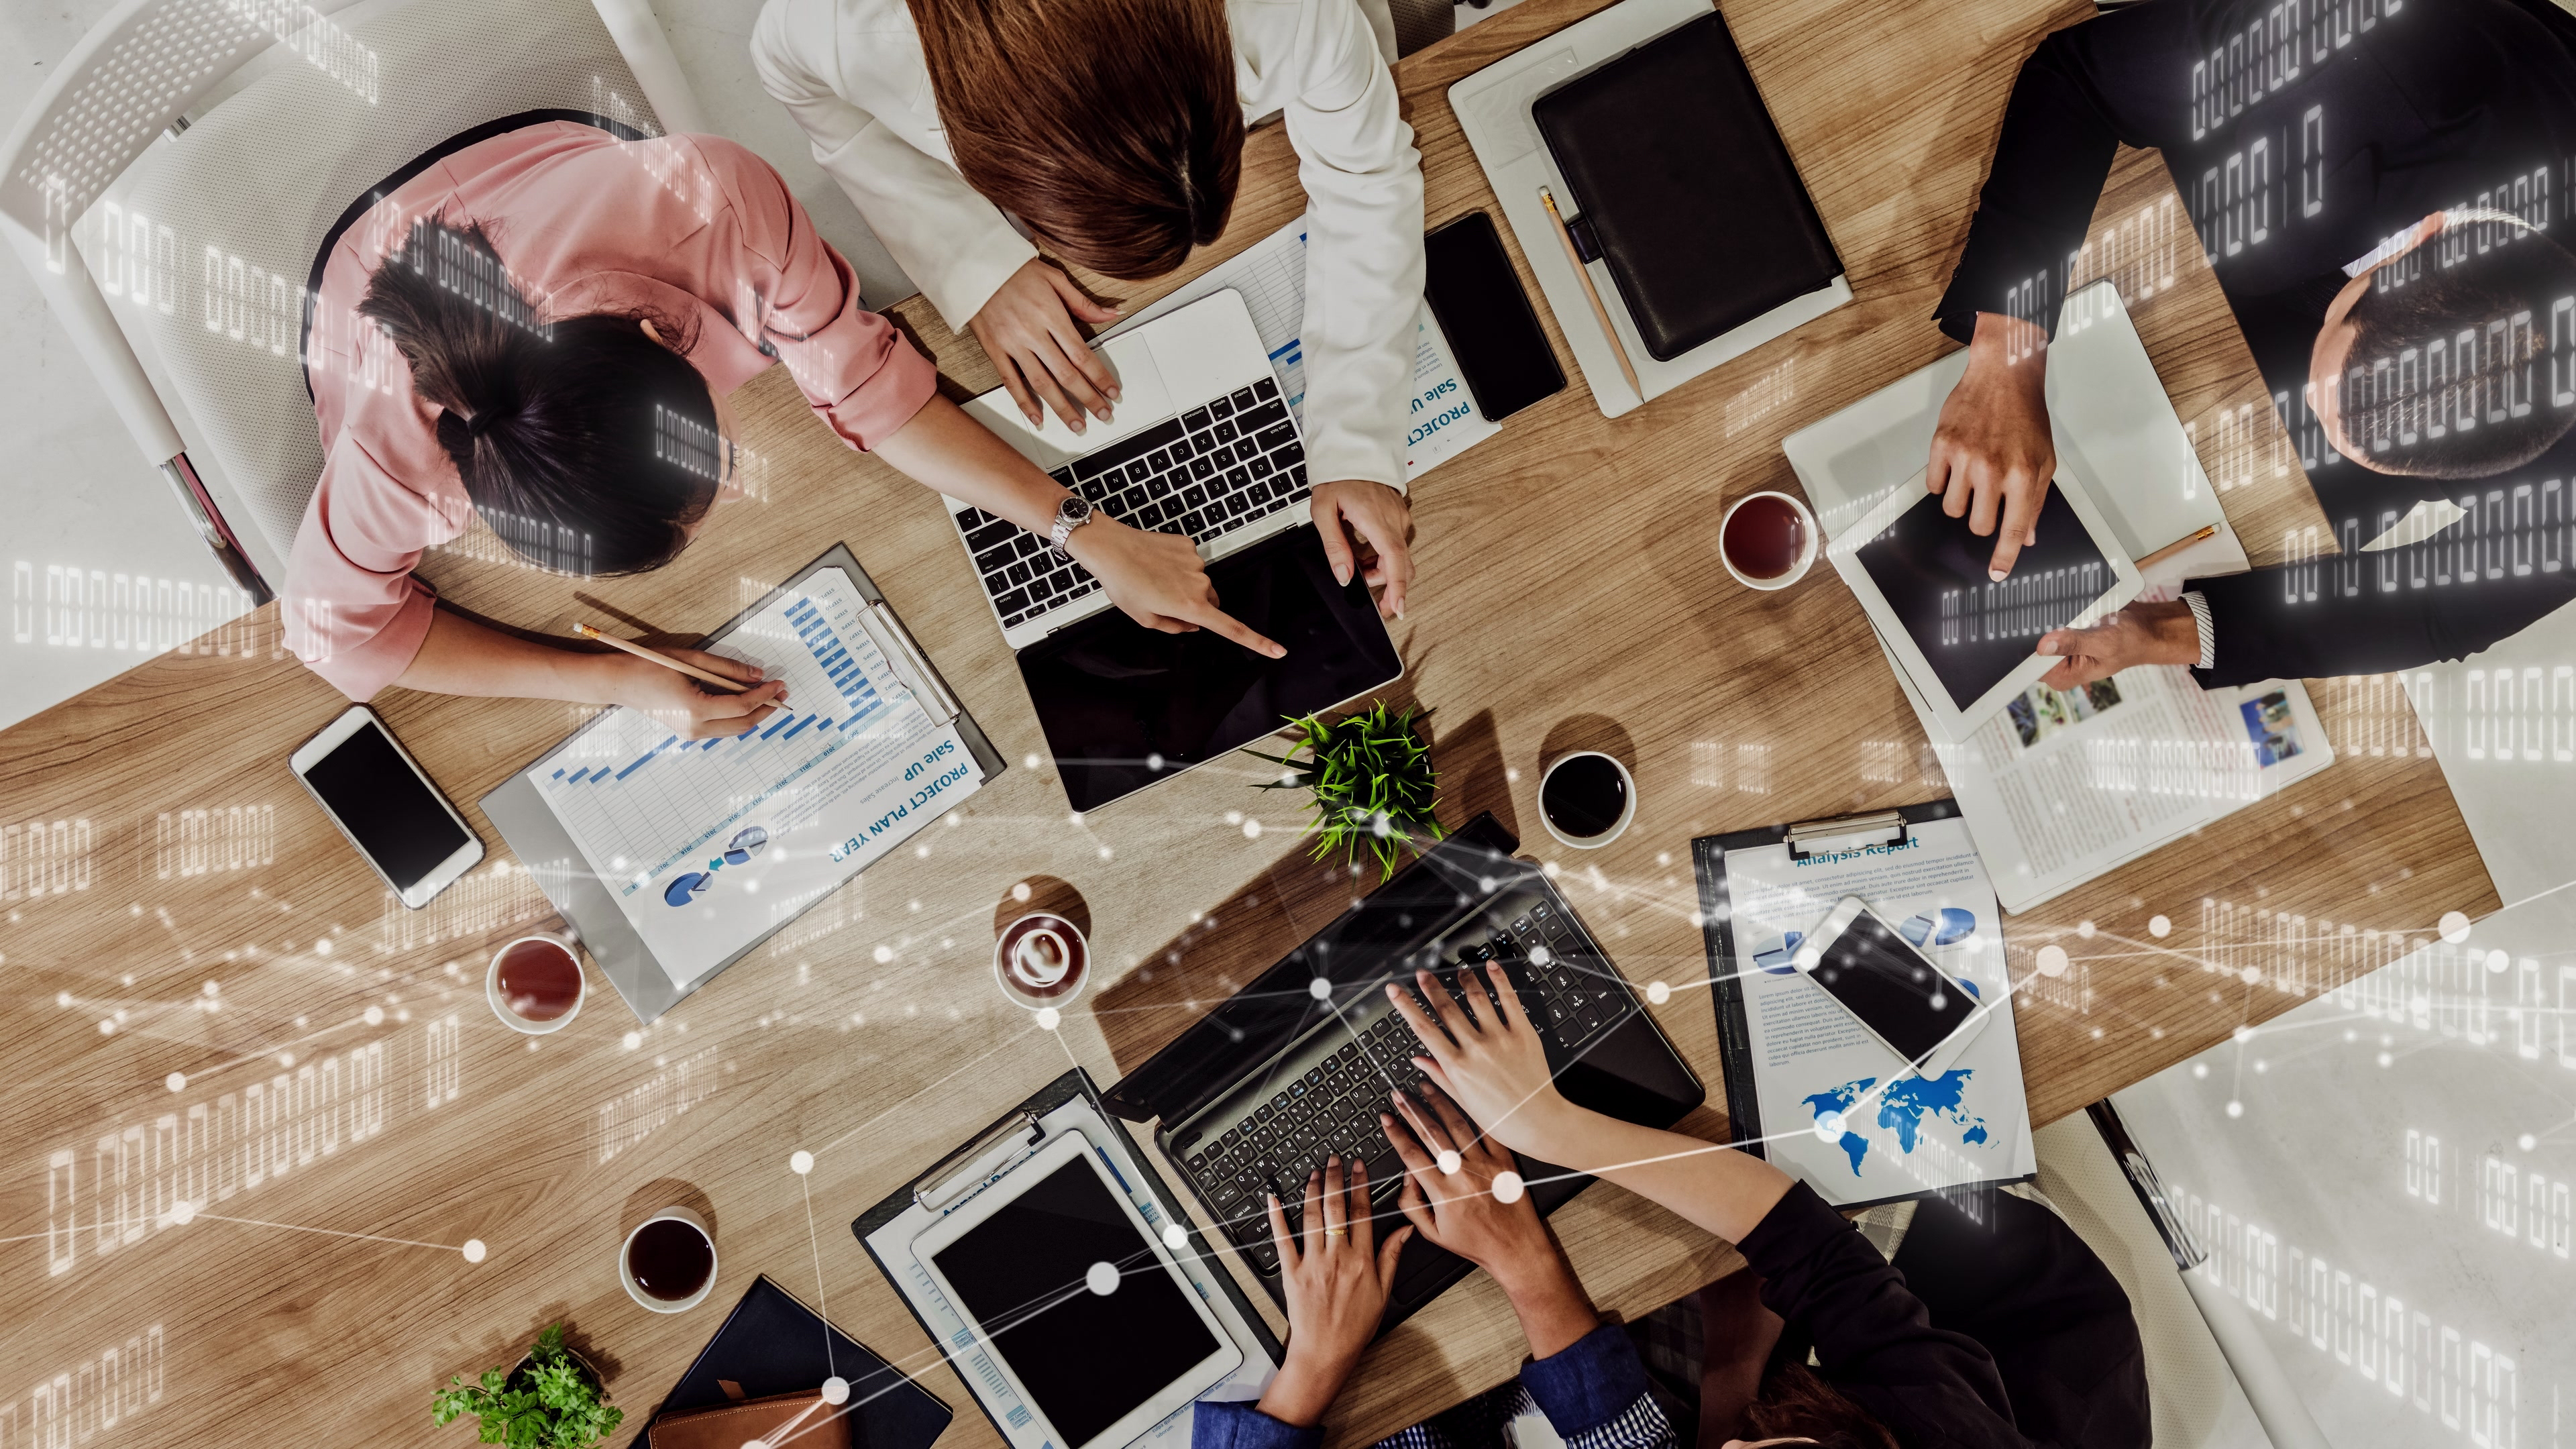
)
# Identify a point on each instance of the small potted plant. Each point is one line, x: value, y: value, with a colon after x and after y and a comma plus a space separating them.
x: 553, y: 1399
x: 1373, y: 784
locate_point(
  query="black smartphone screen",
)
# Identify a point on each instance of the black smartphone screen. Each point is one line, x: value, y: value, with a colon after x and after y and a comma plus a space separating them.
x: 402, y: 825
x: 1892, y: 988
x: 1492, y: 332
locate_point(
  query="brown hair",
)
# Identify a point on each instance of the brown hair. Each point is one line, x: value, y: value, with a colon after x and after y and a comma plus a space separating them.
x: 1796, y: 1404
x: 2450, y: 374
x: 1109, y: 126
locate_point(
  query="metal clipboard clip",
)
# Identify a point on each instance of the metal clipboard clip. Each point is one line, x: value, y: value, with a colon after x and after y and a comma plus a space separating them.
x: 1885, y: 827
x: 932, y: 1194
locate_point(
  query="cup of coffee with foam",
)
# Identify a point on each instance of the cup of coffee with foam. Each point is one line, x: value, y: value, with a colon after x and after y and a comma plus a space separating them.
x: 669, y: 1262
x: 1042, y: 960
x: 1767, y: 540
x: 1586, y: 799
x: 535, y: 985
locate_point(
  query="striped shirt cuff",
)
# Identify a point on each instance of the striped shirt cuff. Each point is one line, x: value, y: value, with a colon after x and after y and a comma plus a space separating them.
x: 2199, y: 607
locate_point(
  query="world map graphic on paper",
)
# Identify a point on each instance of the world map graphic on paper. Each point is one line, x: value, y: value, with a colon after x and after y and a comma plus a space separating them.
x: 1902, y: 1109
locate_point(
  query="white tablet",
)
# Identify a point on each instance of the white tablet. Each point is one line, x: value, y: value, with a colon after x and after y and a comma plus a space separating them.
x: 1061, y: 1281
x: 1969, y: 642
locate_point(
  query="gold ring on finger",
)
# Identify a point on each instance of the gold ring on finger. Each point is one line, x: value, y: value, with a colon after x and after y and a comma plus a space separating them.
x: 1336, y: 1232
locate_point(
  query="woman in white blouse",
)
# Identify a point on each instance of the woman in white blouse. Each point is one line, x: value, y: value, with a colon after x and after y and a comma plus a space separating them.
x: 1113, y: 131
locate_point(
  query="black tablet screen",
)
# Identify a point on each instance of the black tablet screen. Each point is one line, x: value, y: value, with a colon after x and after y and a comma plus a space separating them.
x: 1124, y: 705
x: 1974, y: 631
x: 1024, y: 1276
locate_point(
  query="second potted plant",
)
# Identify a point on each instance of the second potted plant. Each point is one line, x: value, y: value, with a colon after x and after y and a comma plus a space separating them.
x: 552, y: 1399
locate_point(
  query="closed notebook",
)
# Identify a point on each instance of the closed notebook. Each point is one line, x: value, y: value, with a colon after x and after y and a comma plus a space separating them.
x: 1681, y: 183
x: 771, y: 1347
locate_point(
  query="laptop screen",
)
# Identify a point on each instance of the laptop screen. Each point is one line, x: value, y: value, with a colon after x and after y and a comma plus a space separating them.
x: 1124, y: 705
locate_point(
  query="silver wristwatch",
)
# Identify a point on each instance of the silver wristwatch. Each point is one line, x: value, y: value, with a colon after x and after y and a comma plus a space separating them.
x: 1073, y: 513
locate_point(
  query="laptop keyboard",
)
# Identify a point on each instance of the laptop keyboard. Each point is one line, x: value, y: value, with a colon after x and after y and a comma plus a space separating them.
x: 1198, y: 475
x: 1571, y: 994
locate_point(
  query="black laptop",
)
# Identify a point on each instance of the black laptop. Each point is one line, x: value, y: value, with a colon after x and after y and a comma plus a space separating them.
x: 1262, y: 1089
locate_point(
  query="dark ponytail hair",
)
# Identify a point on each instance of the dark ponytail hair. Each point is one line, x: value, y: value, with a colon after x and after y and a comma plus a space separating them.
x: 1794, y: 1403
x: 587, y: 446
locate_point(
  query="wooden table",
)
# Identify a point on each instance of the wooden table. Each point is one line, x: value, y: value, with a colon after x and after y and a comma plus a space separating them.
x: 209, y: 997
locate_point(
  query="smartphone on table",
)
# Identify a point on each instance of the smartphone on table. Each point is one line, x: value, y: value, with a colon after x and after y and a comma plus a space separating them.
x: 1895, y: 991
x: 1494, y: 336
x: 386, y: 804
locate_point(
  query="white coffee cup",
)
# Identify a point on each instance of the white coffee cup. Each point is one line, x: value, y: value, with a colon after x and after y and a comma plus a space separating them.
x: 1627, y: 811
x: 635, y: 1290
x: 1806, y: 552
x: 511, y: 1018
x: 1042, y: 960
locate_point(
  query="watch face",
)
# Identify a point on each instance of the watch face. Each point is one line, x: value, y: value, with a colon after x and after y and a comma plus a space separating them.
x: 1077, y: 509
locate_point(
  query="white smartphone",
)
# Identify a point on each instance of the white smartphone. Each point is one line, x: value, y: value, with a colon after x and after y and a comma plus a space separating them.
x: 1892, y: 989
x: 385, y: 803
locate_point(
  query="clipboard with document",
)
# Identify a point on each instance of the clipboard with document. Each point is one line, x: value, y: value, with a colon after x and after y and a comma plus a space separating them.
x: 672, y: 858
x: 1807, y: 1087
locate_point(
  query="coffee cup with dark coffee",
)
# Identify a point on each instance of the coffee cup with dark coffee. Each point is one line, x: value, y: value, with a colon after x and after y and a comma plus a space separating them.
x: 535, y: 985
x: 669, y: 1262
x: 1042, y: 960
x: 1767, y: 540
x: 1586, y: 799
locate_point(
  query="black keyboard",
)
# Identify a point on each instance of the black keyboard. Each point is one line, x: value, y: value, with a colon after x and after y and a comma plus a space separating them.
x: 1208, y: 471
x: 1572, y: 994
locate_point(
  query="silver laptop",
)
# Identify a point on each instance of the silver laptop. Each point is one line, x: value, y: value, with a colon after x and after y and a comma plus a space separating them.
x: 1201, y: 444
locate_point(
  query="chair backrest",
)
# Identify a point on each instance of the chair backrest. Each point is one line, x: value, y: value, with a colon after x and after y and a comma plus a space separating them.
x: 206, y: 248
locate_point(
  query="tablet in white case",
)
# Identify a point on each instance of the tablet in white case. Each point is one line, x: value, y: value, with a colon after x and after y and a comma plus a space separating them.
x: 1970, y: 643
x: 1063, y: 1283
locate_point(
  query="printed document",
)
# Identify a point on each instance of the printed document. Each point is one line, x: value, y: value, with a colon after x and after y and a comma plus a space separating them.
x: 1838, y: 1107
x: 1271, y: 275
x: 709, y: 845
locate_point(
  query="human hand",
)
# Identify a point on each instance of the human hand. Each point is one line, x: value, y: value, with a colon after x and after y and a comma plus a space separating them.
x: 1492, y: 1064
x: 1463, y: 1190
x: 1025, y: 329
x: 1368, y: 526
x: 1992, y: 447
x: 1160, y: 581
x: 688, y: 708
x: 2142, y: 633
x: 1335, y: 1282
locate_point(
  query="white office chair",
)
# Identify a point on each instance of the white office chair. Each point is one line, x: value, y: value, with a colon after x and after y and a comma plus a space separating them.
x: 176, y: 254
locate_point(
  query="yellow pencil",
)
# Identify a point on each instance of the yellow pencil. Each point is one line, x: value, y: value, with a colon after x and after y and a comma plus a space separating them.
x: 2175, y: 547
x: 1591, y: 293
x: 729, y: 686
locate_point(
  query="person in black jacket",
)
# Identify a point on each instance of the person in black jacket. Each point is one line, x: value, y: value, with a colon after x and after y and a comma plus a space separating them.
x: 2381, y: 187
x: 1997, y: 1335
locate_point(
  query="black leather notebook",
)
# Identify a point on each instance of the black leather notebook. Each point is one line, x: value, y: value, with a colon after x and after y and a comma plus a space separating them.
x: 1681, y: 182
x: 773, y: 1344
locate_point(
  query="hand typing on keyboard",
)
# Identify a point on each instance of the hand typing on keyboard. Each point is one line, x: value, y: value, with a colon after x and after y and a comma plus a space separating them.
x: 1481, y: 1210
x: 1368, y: 527
x: 1490, y: 1059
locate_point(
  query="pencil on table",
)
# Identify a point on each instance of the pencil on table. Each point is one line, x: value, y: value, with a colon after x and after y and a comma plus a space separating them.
x: 2178, y: 545
x: 729, y: 686
x: 1591, y: 293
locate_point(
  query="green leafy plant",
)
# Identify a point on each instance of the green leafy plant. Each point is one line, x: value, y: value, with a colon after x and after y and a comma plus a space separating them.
x: 1373, y: 784
x: 552, y: 1400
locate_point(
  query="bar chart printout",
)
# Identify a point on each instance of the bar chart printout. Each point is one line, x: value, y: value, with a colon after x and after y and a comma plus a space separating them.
x: 709, y: 845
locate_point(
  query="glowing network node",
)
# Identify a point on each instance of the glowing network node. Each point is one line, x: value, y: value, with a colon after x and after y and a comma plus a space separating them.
x: 473, y: 1250
x: 1320, y: 989
x: 183, y: 1212
x: 2386, y: 1060
x: 1234, y: 817
x: 1049, y: 1018
x: 1100, y: 1278
x: 1252, y: 830
x: 2159, y: 926
x: 176, y: 1081
x: 1829, y: 1126
x: 106, y: 1028
x: 631, y: 1040
x: 373, y: 1016
x: 2253, y: 975
x: 1657, y: 993
x: 1507, y: 1187
x: 62, y: 998
x: 2526, y: 1142
x: 2084, y: 929
x: 2498, y: 963
x: 1540, y: 955
x: 800, y: 1162
x: 1449, y: 1160
x: 884, y: 954
x: 1940, y: 1001
x: 2052, y: 960
x: 2200, y: 1071
x: 836, y: 1390
x: 1020, y: 893
x: 1030, y: 760
x: 2235, y: 1108
x: 1154, y: 761
x: 212, y: 989
x: 1174, y: 1235
x: 2454, y: 927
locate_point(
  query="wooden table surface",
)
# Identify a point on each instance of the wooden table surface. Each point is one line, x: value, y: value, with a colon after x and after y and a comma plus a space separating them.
x: 209, y: 998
